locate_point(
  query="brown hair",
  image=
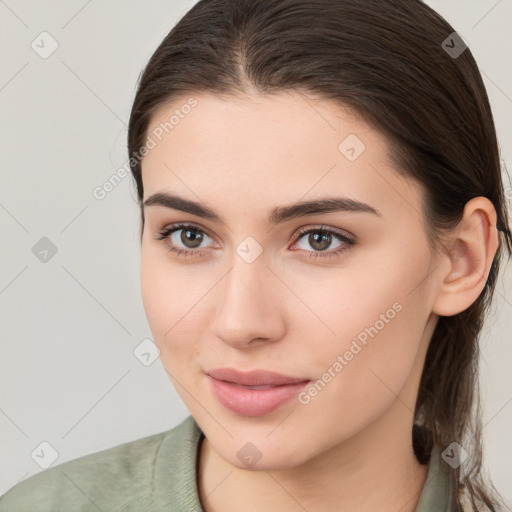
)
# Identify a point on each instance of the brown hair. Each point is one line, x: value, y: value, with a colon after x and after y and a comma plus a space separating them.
x: 386, y: 61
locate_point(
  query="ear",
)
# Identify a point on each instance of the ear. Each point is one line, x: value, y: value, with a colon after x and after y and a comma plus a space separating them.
x: 466, y: 258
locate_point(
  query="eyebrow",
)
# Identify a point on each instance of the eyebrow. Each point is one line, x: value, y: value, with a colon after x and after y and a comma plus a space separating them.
x: 277, y: 215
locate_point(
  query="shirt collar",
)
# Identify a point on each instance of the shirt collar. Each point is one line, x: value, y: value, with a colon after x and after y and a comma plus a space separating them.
x: 437, y: 491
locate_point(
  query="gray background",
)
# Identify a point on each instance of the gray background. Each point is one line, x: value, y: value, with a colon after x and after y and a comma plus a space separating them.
x: 69, y: 325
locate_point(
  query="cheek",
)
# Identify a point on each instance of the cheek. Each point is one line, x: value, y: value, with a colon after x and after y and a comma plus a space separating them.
x: 172, y: 306
x: 379, y: 325
x: 160, y: 298
x: 360, y: 375
x: 155, y: 295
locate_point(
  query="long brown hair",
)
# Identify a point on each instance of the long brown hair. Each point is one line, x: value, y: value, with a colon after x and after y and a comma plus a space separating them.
x: 389, y: 61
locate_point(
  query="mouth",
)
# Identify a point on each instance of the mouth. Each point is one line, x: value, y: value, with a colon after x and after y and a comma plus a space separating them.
x: 256, y: 393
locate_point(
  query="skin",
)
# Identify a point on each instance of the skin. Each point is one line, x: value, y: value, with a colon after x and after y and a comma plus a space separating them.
x: 350, y: 447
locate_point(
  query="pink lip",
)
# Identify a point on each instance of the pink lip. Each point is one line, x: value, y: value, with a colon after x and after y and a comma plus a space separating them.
x: 231, y: 389
x: 254, y: 377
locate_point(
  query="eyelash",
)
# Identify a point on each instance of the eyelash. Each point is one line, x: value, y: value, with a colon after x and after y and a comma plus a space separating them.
x: 183, y: 253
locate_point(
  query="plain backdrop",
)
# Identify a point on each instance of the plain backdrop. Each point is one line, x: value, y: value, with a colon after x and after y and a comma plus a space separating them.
x: 71, y: 313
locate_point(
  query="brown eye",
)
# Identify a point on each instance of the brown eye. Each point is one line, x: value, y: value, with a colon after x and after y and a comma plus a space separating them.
x: 319, y: 240
x: 184, y: 239
x: 191, y: 238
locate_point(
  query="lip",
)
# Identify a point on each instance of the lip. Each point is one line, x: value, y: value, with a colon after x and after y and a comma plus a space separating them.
x: 253, y: 377
x: 231, y: 388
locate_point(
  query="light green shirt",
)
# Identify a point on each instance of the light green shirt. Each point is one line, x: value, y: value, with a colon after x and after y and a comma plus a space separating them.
x: 155, y: 473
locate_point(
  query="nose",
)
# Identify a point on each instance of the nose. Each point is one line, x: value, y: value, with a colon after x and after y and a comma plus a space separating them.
x: 250, y: 307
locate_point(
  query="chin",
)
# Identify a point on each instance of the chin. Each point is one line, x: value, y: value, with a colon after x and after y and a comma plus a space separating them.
x: 262, y: 455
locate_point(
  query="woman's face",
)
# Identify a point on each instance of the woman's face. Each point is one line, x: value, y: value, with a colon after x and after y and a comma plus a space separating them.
x: 257, y: 285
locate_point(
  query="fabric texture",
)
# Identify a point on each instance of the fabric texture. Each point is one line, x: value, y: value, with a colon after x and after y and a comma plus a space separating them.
x: 152, y: 474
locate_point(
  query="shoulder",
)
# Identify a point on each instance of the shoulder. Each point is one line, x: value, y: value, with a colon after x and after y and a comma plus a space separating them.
x: 118, y: 478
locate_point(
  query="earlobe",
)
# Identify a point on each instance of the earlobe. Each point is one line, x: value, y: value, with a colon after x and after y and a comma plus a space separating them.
x: 467, y: 257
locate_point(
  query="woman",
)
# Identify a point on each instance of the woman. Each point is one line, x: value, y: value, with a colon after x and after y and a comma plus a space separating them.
x: 322, y: 225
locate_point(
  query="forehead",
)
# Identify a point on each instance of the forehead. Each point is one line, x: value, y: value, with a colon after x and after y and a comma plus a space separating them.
x: 289, y: 124
x: 269, y: 148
